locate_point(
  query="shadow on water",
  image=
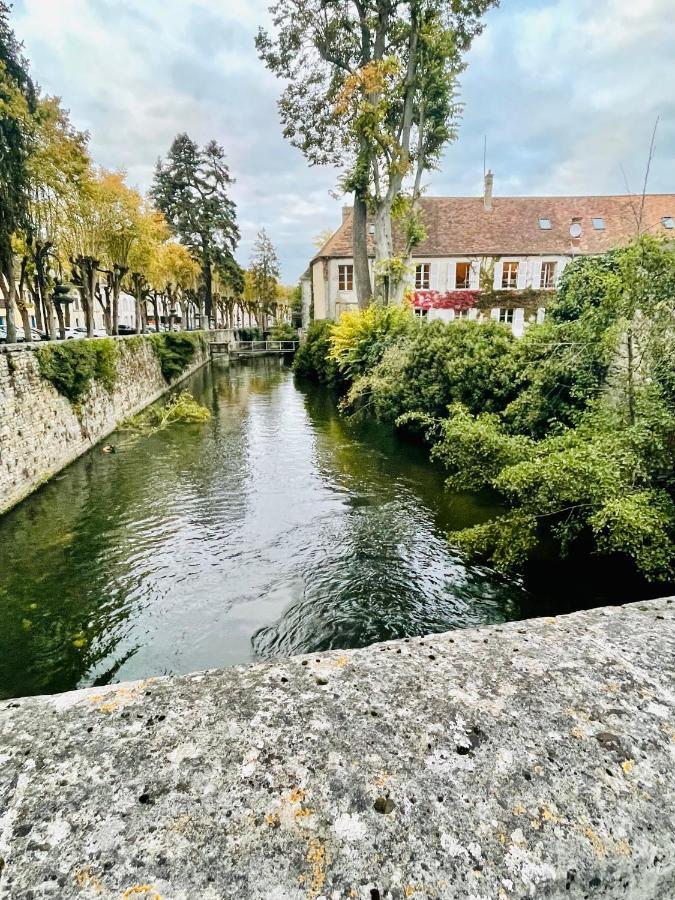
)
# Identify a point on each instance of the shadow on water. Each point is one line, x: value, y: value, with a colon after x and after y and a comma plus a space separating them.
x: 274, y: 529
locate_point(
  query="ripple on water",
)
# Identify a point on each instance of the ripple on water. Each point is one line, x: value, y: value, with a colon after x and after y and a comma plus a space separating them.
x: 274, y: 529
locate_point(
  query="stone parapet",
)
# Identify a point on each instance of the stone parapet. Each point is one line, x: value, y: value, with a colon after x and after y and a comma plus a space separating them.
x: 533, y: 759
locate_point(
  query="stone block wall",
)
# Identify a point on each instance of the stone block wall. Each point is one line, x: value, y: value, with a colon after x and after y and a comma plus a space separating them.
x: 41, y: 432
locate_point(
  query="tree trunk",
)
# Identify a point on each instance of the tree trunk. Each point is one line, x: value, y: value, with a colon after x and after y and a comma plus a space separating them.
x: 115, y: 323
x: 61, y: 320
x: 364, y: 287
x: 37, y: 306
x: 10, y: 293
x: 41, y: 255
x: 155, y: 310
x: 137, y: 309
x: 207, y: 306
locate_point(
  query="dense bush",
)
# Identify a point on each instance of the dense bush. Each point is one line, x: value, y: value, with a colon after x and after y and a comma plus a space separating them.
x: 175, y: 351
x: 434, y: 365
x: 594, y: 465
x: 313, y: 357
x: 283, y: 331
x: 73, y: 366
x: 573, y: 426
x: 359, y: 340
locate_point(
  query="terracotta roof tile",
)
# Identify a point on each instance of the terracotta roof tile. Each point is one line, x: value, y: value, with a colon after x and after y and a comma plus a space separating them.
x: 461, y: 226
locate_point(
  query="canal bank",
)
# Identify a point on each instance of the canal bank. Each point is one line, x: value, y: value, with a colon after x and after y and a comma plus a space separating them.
x: 42, y: 431
x: 277, y: 528
x: 530, y: 759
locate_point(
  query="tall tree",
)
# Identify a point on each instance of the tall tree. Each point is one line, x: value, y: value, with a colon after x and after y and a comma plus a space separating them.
x: 265, y: 274
x: 191, y: 188
x: 371, y: 87
x: 58, y: 165
x: 315, y: 47
x: 17, y: 103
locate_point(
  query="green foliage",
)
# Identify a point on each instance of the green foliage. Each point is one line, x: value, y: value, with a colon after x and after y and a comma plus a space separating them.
x: 360, y: 339
x: 191, y: 188
x: 312, y: 359
x: 72, y: 366
x: 181, y: 409
x: 175, y: 351
x: 434, y: 365
x: 283, y: 331
x: 572, y: 427
x: 476, y: 449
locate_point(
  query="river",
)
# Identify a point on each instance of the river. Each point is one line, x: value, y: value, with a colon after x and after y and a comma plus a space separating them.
x: 276, y: 528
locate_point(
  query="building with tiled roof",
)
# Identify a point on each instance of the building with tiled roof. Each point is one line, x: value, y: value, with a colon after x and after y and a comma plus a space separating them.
x: 482, y: 255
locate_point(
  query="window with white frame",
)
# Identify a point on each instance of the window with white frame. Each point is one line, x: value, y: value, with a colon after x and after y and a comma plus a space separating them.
x: 422, y: 313
x: 346, y: 278
x: 506, y: 316
x: 509, y: 275
x: 548, y: 273
x: 462, y: 275
x: 423, y: 277
x: 463, y: 314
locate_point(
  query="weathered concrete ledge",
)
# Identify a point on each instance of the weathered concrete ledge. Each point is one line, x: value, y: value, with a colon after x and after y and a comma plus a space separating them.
x: 534, y: 759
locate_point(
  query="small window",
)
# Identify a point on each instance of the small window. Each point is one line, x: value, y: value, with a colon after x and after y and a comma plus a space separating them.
x: 346, y: 278
x: 599, y: 224
x: 423, y: 277
x: 548, y: 271
x: 463, y: 276
x: 545, y: 224
x: 509, y: 275
x: 506, y: 316
x: 422, y: 313
x: 463, y: 314
x: 668, y: 222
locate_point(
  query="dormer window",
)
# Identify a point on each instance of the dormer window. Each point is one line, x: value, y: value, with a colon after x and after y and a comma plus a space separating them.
x: 545, y: 224
x: 668, y: 222
x: 599, y: 224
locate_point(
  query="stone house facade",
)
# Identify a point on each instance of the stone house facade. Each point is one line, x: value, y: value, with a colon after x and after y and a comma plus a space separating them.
x: 491, y: 257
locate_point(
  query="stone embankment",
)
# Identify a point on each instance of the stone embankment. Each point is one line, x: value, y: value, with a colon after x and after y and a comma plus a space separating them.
x: 41, y: 432
x: 534, y: 759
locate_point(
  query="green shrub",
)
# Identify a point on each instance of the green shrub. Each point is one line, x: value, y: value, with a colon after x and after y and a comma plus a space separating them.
x: 312, y: 359
x: 360, y: 339
x: 72, y: 366
x: 181, y: 409
x: 434, y: 365
x: 175, y: 351
x: 283, y: 331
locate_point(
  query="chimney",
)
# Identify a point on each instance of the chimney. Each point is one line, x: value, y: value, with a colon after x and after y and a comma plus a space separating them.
x: 346, y: 212
x: 487, y: 196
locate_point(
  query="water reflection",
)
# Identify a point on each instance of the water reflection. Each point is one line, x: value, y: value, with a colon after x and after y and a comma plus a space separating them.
x: 276, y: 528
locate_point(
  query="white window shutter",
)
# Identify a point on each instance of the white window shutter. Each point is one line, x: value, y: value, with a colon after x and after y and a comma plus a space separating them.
x: 494, y: 314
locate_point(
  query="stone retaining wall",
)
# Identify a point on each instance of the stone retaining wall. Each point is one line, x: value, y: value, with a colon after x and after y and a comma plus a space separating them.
x: 534, y: 759
x: 40, y: 431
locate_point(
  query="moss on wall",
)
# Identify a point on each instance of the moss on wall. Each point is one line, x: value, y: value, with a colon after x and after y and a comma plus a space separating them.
x: 72, y: 366
x: 175, y: 351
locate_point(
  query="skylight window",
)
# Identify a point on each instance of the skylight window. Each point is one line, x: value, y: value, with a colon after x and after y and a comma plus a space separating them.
x: 668, y: 222
x: 599, y: 224
x: 545, y: 224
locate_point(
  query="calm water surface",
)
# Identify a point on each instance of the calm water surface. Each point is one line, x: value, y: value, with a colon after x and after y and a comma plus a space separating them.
x: 277, y: 528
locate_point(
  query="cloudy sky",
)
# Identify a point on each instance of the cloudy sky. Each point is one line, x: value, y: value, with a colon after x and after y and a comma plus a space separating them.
x: 567, y: 91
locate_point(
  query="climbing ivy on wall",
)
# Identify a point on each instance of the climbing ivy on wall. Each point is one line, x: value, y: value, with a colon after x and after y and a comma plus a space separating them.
x: 72, y: 366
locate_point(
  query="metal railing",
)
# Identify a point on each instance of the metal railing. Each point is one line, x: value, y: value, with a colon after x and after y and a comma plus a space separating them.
x: 264, y: 347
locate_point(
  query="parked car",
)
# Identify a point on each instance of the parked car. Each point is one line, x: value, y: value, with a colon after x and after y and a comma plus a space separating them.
x: 3, y: 335
x: 75, y: 334
x: 126, y: 330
